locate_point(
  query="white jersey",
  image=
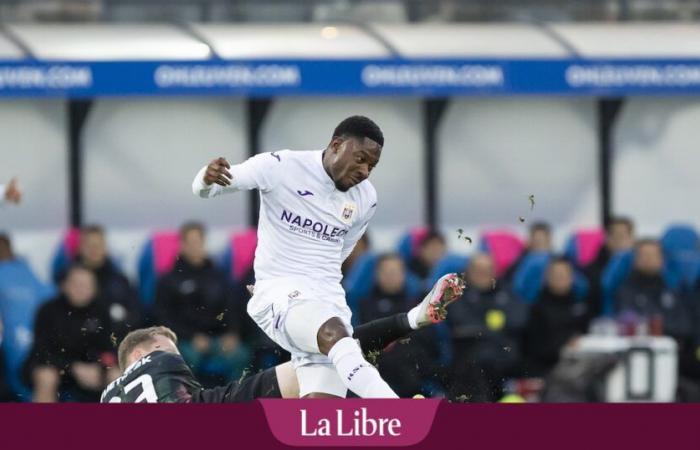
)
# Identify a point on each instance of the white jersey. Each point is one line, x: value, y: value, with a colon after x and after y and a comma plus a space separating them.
x: 307, y: 227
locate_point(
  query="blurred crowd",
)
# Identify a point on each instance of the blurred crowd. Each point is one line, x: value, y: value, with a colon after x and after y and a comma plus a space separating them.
x: 358, y: 11
x: 525, y: 304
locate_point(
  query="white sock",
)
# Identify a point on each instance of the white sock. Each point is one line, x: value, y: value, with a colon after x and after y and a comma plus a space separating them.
x: 413, y: 317
x: 357, y: 374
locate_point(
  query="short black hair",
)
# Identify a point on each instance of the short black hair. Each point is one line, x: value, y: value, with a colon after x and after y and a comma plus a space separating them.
x: 381, y: 259
x: 92, y: 228
x: 191, y: 226
x: 540, y: 226
x: 621, y: 220
x: 431, y: 235
x: 646, y: 241
x: 77, y: 265
x: 359, y: 127
x: 560, y: 259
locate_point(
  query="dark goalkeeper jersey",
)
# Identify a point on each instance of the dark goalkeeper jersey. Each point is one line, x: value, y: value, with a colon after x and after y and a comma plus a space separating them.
x: 162, y: 377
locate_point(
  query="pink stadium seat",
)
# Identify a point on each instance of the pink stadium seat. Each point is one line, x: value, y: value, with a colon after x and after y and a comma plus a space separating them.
x: 166, y: 245
x: 243, y: 247
x: 504, y: 247
x: 588, y: 244
x: 72, y: 242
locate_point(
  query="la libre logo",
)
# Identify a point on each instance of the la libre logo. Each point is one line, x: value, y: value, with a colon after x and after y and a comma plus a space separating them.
x: 357, y: 423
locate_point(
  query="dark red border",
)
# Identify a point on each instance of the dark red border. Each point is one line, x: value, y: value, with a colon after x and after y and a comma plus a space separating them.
x: 456, y: 426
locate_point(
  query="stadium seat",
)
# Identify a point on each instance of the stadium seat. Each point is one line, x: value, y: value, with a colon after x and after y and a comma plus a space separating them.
x: 680, y: 238
x: 65, y: 253
x: 408, y: 244
x: 450, y: 263
x: 505, y: 247
x: 238, y: 257
x: 583, y: 246
x: 21, y: 294
x: 681, y: 250
x: 360, y: 281
x: 157, y: 258
x: 529, y: 278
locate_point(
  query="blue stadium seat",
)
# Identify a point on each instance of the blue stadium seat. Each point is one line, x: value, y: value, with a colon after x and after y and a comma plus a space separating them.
x: 21, y: 294
x: 65, y: 253
x: 529, y: 278
x: 157, y: 258
x: 359, y: 281
x: 450, y: 263
x: 408, y: 243
x: 680, y: 238
x: 237, y: 259
x: 583, y: 246
x: 681, y: 250
x: 505, y: 247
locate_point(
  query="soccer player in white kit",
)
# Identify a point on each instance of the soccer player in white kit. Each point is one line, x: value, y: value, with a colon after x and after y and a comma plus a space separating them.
x: 314, y: 207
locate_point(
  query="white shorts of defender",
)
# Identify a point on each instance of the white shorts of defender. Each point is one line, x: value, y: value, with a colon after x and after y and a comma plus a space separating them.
x: 291, y: 311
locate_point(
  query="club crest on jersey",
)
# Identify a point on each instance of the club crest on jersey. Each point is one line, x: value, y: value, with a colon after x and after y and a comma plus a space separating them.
x: 348, y: 212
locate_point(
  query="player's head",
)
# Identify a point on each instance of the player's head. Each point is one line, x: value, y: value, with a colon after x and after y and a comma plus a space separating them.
x: 93, y: 246
x: 141, y: 342
x: 353, y: 152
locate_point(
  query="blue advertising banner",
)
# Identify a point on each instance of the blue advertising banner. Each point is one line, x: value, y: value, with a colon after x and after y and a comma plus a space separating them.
x: 350, y: 77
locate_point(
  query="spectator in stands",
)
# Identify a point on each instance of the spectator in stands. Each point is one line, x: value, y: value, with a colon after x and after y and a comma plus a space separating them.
x: 646, y: 295
x: 389, y: 294
x: 21, y: 294
x: 196, y: 301
x: 114, y: 289
x: 689, y: 357
x: 487, y: 326
x: 73, y: 356
x: 539, y: 240
x: 556, y: 317
x: 430, y: 250
x: 404, y: 365
x: 6, y: 394
x: 619, y: 236
x: 362, y: 247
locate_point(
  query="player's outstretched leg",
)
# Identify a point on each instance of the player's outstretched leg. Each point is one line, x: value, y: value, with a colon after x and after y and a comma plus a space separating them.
x: 357, y: 374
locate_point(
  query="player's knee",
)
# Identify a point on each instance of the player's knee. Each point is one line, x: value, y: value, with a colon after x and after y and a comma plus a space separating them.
x: 331, y: 332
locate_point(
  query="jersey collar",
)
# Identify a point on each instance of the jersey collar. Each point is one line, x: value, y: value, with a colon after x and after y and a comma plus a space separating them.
x: 327, y: 180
